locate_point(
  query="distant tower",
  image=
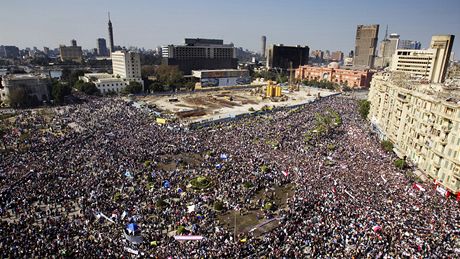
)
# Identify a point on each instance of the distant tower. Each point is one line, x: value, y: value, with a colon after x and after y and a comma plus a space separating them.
x: 264, y: 45
x: 74, y: 43
x: 112, y: 49
x: 102, y: 47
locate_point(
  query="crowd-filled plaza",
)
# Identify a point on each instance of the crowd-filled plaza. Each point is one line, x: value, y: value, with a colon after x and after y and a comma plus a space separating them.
x: 74, y: 179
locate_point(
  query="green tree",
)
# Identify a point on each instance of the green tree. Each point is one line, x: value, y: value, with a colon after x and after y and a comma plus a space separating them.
x: 133, y: 88
x: 147, y: 70
x: 156, y: 86
x: 363, y: 109
x: 169, y: 75
x: 400, y: 163
x: 74, y: 76
x: 59, y: 90
x: 87, y: 88
x: 65, y: 74
x: 387, y: 145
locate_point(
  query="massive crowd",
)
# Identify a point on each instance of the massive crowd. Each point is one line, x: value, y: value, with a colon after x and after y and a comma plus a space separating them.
x: 72, y: 193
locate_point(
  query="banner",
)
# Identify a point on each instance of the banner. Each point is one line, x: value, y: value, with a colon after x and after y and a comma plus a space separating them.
x: 188, y: 238
x: 441, y: 190
x: 132, y: 251
x: 161, y: 121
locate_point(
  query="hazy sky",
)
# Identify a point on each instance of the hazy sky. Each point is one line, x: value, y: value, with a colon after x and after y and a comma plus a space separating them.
x: 320, y: 24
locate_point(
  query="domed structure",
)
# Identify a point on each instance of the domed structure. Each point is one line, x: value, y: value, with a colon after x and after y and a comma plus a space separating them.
x: 334, y: 65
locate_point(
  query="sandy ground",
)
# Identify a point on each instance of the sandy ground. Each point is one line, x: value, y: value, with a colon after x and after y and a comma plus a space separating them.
x: 213, y: 105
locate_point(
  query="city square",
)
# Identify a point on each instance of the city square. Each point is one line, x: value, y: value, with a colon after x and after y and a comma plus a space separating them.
x: 347, y: 198
x: 230, y: 129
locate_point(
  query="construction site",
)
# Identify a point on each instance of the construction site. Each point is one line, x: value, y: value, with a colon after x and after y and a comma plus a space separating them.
x: 228, y: 103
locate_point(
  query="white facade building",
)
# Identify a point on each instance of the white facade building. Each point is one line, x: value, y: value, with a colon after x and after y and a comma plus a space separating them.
x: 430, y: 64
x: 126, y: 67
x: 416, y: 62
x: 105, y: 82
x: 127, y: 64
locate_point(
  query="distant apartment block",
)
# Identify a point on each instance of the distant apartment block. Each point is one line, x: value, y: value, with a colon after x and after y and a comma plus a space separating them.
x: 102, y: 49
x: 337, y: 56
x: 25, y: 85
x: 71, y: 53
x: 9, y: 52
x: 285, y: 57
x: 409, y: 44
x: 317, y: 56
x: 365, y: 45
x: 423, y: 122
x: 199, y: 54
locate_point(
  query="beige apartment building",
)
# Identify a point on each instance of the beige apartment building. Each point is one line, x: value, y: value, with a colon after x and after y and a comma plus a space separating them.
x: 71, y: 53
x: 423, y: 122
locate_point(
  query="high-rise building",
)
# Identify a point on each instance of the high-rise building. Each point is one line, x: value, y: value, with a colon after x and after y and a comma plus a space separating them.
x: 112, y: 47
x: 387, y: 49
x: 102, y: 47
x: 264, y: 46
x: 126, y: 64
x: 365, y: 45
x: 286, y: 57
x: 443, y: 44
x: 337, y: 56
x: 327, y: 55
x: 199, y: 54
x: 430, y: 64
x: 409, y: 44
x: 422, y: 121
x: 71, y: 53
x: 9, y: 51
x: 351, y: 54
x: 317, y: 56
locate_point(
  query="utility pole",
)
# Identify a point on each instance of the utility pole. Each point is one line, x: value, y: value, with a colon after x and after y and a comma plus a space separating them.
x: 234, y: 232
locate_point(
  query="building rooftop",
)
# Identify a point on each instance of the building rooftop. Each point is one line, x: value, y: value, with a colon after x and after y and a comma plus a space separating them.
x: 449, y: 91
x: 22, y: 76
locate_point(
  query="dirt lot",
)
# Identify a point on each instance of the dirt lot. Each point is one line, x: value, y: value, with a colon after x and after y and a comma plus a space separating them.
x: 200, y: 106
x: 254, y: 220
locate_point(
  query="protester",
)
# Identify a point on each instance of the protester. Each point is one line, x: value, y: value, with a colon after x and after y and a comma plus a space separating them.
x: 71, y: 184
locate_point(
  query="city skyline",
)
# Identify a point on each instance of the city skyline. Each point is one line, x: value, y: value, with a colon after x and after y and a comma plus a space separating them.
x: 330, y: 25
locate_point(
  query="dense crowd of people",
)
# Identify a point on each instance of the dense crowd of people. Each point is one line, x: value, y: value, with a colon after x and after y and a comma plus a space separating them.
x: 72, y: 182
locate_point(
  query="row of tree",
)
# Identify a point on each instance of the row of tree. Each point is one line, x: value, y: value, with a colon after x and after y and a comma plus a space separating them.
x: 323, y: 84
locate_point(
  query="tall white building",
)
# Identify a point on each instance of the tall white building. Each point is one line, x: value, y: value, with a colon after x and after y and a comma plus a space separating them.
x: 126, y: 66
x: 430, y: 64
